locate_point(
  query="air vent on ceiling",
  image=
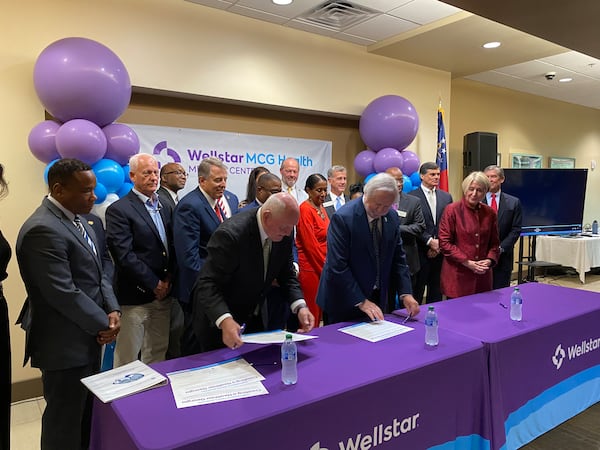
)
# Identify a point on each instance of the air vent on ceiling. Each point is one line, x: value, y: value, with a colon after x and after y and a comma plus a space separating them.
x: 337, y: 15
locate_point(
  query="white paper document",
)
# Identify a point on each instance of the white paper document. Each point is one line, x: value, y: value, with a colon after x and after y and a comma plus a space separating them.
x: 375, y: 331
x: 123, y: 381
x: 274, y: 337
x: 219, y: 382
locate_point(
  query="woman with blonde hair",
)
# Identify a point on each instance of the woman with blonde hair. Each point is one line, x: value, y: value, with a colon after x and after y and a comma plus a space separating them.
x: 468, y: 234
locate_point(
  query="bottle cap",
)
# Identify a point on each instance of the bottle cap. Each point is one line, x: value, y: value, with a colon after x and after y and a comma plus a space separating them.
x: 431, y: 308
x: 288, y: 336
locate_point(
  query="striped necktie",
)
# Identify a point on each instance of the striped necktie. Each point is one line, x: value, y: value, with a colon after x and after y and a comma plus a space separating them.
x: 219, y: 205
x: 86, y: 236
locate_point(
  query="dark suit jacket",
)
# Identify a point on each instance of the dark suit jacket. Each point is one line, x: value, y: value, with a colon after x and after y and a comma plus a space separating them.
x: 509, y: 229
x: 165, y: 198
x: 443, y: 199
x: 68, y: 295
x: 331, y: 208
x: 141, y: 259
x: 412, y: 225
x: 194, y: 222
x: 232, y: 279
x: 107, y: 263
x: 350, y: 269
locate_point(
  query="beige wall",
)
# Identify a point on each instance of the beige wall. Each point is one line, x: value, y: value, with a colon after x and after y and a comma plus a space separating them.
x: 526, y: 124
x: 173, y: 45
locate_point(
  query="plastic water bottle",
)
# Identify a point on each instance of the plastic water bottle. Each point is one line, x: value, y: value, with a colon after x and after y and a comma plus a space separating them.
x: 595, y: 227
x: 516, y: 305
x: 289, y: 360
x: 431, y: 327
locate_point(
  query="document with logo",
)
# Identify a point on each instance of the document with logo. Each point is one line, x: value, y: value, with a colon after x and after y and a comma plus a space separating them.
x: 226, y: 380
x: 274, y: 337
x: 123, y: 381
x: 375, y: 331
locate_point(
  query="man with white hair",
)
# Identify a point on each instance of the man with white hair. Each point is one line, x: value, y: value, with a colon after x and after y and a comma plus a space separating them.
x: 365, y: 257
x: 244, y: 255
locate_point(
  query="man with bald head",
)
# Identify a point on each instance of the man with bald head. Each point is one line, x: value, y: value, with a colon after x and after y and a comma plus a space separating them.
x: 266, y: 185
x: 172, y: 179
x: 290, y: 170
x: 244, y: 255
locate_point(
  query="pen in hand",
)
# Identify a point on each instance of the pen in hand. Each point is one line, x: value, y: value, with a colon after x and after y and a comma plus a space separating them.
x: 407, y: 318
x: 242, y: 329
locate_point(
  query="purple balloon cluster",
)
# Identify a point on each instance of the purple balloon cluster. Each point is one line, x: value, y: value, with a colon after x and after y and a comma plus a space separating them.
x: 388, y: 125
x: 85, y: 87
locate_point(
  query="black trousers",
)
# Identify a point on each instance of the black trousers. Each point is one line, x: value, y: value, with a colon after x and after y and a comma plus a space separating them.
x: 66, y: 421
x: 5, y: 375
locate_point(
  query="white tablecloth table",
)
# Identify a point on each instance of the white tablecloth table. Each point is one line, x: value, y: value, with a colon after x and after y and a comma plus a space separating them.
x: 580, y: 252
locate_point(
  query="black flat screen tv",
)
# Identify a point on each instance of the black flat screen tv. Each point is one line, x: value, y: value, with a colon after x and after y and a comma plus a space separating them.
x: 552, y: 199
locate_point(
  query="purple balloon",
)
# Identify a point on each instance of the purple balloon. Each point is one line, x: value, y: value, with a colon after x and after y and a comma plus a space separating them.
x: 122, y: 142
x: 411, y: 162
x: 78, y: 78
x: 81, y: 139
x: 386, y: 158
x: 363, y: 162
x: 390, y: 121
x: 42, y: 141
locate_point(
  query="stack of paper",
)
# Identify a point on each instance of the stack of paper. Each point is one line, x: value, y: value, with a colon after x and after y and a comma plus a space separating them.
x: 219, y: 382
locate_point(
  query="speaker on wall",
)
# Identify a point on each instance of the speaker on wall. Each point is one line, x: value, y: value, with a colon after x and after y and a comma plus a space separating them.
x: 480, y: 149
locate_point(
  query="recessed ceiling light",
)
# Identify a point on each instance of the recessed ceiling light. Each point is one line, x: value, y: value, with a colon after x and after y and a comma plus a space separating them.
x: 492, y: 44
x: 282, y: 2
x: 565, y: 80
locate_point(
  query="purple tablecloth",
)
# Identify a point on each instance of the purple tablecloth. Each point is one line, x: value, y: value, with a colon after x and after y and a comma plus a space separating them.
x: 544, y: 369
x: 351, y: 394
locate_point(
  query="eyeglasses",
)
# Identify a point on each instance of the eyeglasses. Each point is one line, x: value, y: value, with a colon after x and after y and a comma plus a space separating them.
x: 179, y: 173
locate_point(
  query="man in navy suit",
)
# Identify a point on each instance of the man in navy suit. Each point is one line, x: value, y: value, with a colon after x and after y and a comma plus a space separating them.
x: 71, y: 310
x: 509, y: 224
x: 245, y: 255
x: 138, y: 232
x: 336, y: 198
x: 195, y: 219
x: 433, y: 203
x: 365, y: 257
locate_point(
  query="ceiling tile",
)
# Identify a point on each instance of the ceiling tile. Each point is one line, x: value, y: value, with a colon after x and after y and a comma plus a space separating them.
x: 381, y: 27
x: 290, y: 11
x: 424, y: 11
x: 257, y: 14
x: 220, y: 4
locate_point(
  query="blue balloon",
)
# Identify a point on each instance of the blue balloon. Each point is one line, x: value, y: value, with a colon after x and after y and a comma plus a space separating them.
x: 407, y: 187
x: 126, y: 178
x: 100, y: 192
x: 50, y: 164
x: 368, y: 177
x: 415, y: 179
x: 124, y: 189
x: 110, y: 174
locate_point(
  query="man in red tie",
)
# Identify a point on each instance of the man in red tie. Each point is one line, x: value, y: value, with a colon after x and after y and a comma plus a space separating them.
x: 509, y: 224
x: 196, y: 217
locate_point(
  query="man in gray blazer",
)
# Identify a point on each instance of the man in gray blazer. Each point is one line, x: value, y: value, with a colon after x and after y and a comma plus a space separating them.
x: 71, y: 310
x: 412, y: 223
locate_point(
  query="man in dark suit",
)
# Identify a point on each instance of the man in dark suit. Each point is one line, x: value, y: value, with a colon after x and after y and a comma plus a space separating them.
x: 195, y: 219
x: 107, y: 263
x: 266, y: 184
x: 365, y: 257
x: 172, y: 179
x: 412, y: 225
x: 509, y: 224
x: 138, y: 232
x: 336, y: 198
x: 245, y: 255
x: 71, y: 310
x: 433, y: 202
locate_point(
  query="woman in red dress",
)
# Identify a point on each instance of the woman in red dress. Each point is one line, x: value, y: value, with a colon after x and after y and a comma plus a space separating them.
x: 468, y: 234
x: 311, y: 240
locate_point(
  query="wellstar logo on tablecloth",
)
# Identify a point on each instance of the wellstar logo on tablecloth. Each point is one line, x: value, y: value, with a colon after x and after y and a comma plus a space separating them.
x: 574, y: 351
x: 381, y: 433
